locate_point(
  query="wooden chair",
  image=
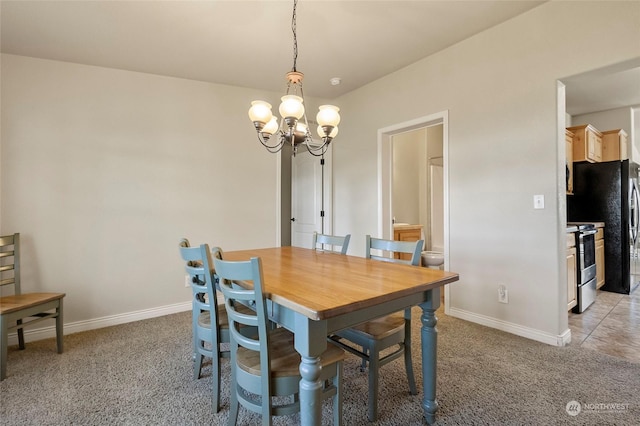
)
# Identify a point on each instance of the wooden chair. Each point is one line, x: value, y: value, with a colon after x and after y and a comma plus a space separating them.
x: 206, y: 311
x: 332, y: 241
x: 267, y: 365
x: 22, y: 309
x: 390, y: 331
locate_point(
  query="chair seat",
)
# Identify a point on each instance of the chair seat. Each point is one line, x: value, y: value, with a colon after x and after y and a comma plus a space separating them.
x: 19, y: 302
x: 285, y: 361
x: 381, y: 328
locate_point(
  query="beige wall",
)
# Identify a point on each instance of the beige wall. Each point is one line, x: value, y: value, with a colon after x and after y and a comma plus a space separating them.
x: 103, y: 171
x: 500, y: 90
x: 408, y: 159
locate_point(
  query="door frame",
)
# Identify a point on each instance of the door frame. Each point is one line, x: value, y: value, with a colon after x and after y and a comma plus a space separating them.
x: 385, y: 171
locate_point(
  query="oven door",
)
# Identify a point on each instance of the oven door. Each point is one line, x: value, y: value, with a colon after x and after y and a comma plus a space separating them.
x: 586, y: 291
x: 587, y: 256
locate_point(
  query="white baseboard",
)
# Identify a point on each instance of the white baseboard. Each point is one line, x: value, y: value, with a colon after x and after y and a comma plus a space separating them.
x: 95, y: 323
x: 519, y: 330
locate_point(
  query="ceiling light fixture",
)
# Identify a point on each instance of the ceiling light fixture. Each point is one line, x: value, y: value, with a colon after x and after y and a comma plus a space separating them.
x: 294, y: 127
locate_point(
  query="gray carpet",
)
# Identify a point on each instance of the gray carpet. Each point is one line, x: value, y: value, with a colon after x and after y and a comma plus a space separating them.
x: 141, y: 374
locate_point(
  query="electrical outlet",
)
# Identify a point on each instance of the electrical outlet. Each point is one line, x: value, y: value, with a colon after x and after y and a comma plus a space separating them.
x: 503, y: 294
x: 187, y: 282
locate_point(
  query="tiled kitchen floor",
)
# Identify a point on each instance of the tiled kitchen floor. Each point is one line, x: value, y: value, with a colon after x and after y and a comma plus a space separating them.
x: 611, y: 325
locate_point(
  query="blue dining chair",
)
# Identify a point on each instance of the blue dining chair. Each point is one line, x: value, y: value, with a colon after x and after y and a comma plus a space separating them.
x: 267, y: 365
x: 18, y: 309
x: 391, y: 331
x: 326, y: 242
x: 209, y: 320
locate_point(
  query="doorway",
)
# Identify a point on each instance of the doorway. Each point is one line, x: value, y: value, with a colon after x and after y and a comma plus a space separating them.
x: 417, y: 194
x: 432, y: 165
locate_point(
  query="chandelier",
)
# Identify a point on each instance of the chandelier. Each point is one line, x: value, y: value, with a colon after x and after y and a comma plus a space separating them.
x: 294, y: 127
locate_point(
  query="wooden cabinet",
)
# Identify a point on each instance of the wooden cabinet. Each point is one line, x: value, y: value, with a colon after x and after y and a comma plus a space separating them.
x: 614, y: 145
x: 587, y: 143
x: 406, y: 233
x: 568, y: 139
x: 572, y: 272
x: 600, y: 258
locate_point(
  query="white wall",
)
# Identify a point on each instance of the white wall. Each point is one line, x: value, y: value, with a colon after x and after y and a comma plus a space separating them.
x: 500, y: 90
x: 103, y: 171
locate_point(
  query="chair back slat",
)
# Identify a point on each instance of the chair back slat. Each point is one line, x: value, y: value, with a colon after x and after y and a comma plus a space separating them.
x: 10, y: 262
x: 7, y: 240
x: 236, y: 279
x: 201, y: 277
x: 414, y: 248
x: 324, y: 240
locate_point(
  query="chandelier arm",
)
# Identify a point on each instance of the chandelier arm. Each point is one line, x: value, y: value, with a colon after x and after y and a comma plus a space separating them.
x: 320, y: 150
x: 275, y: 150
x: 272, y: 148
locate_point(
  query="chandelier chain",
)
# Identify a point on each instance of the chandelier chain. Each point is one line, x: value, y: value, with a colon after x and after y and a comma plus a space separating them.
x: 295, y: 37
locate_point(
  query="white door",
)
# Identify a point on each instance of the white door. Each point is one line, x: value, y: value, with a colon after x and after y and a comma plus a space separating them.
x: 309, y: 197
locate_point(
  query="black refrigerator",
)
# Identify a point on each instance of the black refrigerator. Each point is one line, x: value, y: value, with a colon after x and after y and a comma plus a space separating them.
x: 608, y: 192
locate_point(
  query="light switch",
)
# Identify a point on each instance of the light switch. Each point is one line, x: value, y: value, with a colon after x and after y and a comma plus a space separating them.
x: 538, y: 201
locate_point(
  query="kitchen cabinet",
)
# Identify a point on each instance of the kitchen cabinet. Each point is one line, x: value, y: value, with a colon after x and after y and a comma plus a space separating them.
x: 600, y: 258
x: 406, y: 233
x: 614, y: 145
x: 568, y: 140
x: 572, y: 272
x: 587, y: 143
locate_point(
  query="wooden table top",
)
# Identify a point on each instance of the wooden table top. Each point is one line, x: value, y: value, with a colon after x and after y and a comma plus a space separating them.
x: 321, y: 285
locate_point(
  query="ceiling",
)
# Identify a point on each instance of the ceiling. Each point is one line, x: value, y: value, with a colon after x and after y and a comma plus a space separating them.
x: 250, y: 43
x: 600, y: 90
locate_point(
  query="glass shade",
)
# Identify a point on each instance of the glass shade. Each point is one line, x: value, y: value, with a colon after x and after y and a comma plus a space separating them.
x: 291, y: 106
x: 260, y: 111
x: 328, y: 115
x: 271, y: 127
x: 332, y: 135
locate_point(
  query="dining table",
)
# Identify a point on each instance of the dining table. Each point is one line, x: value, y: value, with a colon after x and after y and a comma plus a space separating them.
x: 314, y: 293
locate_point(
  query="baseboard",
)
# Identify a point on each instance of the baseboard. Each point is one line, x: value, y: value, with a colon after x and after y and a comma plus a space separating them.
x: 519, y: 330
x: 95, y: 323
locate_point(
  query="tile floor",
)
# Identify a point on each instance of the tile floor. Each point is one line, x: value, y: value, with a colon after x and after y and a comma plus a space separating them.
x: 611, y: 325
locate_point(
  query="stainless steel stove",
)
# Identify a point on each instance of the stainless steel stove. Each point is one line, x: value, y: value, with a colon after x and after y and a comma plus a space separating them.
x: 586, y: 264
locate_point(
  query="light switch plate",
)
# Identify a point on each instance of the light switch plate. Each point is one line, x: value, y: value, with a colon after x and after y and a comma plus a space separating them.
x: 538, y: 201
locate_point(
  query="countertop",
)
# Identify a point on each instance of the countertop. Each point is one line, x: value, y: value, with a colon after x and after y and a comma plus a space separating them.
x: 596, y: 224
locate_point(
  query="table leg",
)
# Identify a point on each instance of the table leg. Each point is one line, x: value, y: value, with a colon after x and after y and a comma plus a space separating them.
x: 310, y: 391
x: 310, y: 342
x: 429, y: 334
